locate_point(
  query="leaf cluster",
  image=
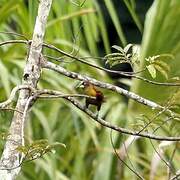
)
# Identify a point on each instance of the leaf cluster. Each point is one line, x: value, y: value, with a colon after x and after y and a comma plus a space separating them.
x: 158, y: 63
x: 38, y: 148
x: 122, y: 56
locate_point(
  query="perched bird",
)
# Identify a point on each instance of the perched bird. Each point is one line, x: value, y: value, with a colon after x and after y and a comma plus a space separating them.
x: 91, y: 90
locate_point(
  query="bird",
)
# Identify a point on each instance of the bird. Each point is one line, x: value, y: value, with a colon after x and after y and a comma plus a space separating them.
x: 93, y: 91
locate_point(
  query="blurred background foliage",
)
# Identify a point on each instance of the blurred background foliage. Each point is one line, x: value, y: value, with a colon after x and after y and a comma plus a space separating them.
x: 89, y: 29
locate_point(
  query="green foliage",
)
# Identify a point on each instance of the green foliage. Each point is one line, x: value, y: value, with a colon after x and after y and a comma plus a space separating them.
x: 78, y: 3
x: 122, y: 56
x: 156, y: 63
x: 37, y: 149
x: 112, y: 11
x: 131, y: 5
x: 57, y: 120
x: 76, y: 27
x: 160, y: 37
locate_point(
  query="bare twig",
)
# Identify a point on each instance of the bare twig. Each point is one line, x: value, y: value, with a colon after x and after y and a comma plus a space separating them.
x: 127, y: 74
x: 117, y: 128
x: 122, y: 160
x: 159, y: 153
x: 56, y: 94
x: 15, y: 42
x: 16, y: 34
x: 12, y: 95
x: 177, y: 176
x: 123, y: 152
x: 11, y: 109
x: 171, y: 158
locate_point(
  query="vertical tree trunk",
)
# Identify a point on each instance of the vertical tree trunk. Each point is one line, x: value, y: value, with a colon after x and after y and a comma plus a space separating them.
x: 11, y: 158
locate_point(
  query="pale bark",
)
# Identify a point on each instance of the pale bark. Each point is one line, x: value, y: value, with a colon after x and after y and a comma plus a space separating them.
x: 11, y: 158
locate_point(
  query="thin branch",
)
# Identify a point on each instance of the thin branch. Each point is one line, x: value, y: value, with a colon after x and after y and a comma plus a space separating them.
x: 108, y: 70
x: 117, y: 89
x: 16, y: 34
x: 171, y: 158
x: 160, y: 153
x: 16, y: 42
x: 177, y: 176
x: 11, y: 109
x: 59, y: 59
x: 84, y: 59
x: 129, y: 141
x: 115, y: 151
x: 127, y: 74
x: 117, y: 128
x: 123, y: 150
x: 154, y: 118
x: 55, y: 94
x: 13, y: 93
x: 128, y: 94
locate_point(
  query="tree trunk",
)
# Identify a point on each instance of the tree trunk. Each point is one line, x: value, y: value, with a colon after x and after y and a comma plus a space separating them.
x: 10, y: 163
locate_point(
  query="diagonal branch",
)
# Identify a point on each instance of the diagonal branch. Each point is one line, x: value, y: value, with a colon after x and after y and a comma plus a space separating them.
x: 81, y: 60
x: 117, y: 128
x: 117, y: 89
x: 57, y: 94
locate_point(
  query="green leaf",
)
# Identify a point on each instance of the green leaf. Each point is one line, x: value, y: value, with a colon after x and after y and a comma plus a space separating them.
x: 163, y: 65
x: 117, y: 62
x: 113, y: 14
x: 165, y: 57
x: 103, y: 28
x: 134, y: 15
x: 118, y: 48
x: 152, y: 70
x: 6, y: 9
x: 22, y: 149
x: 161, y: 70
x: 57, y: 144
x: 126, y: 49
x: 40, y: 142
